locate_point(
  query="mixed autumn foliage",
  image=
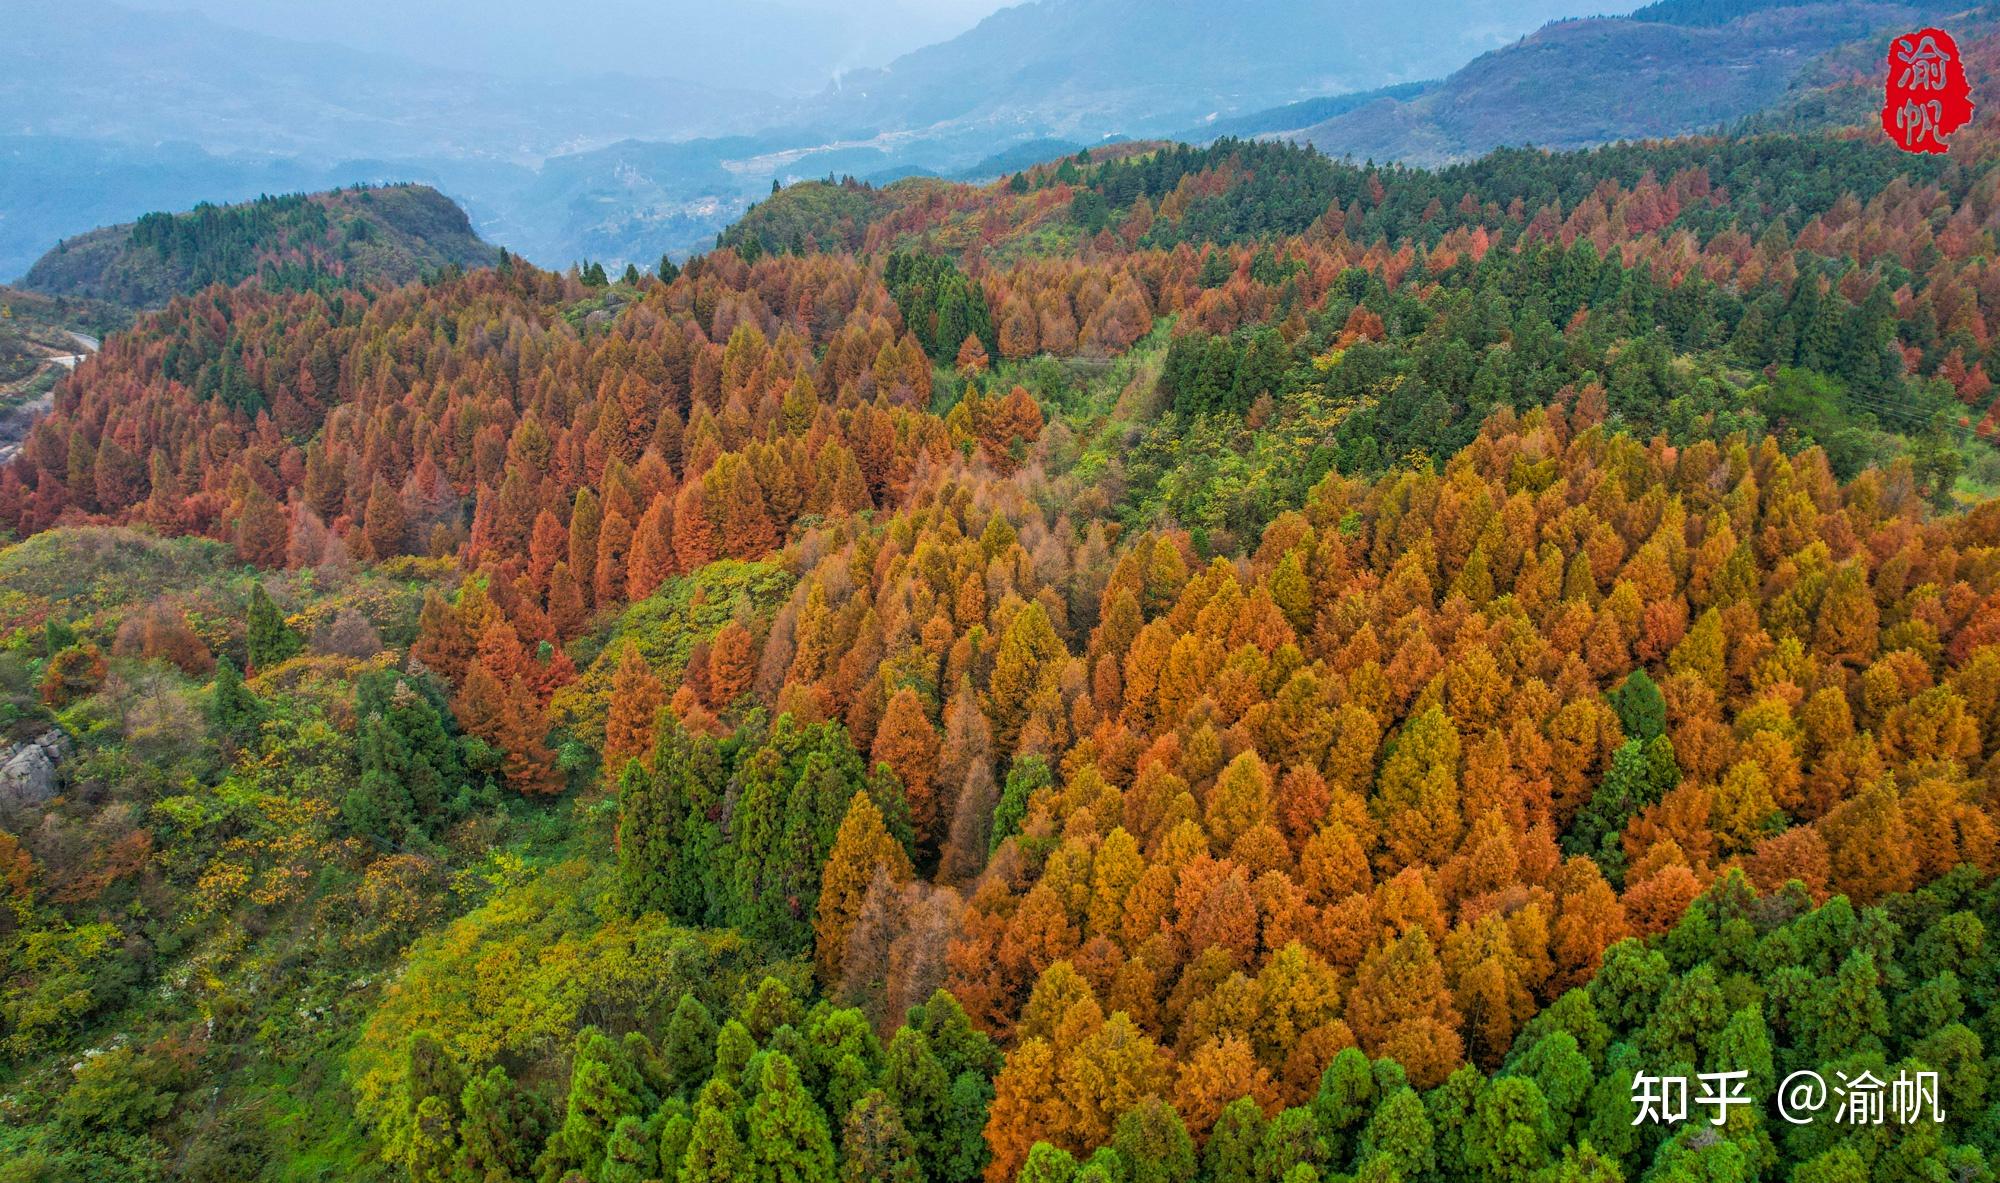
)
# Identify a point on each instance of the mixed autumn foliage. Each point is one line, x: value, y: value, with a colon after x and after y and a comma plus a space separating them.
x: 1180, y: 663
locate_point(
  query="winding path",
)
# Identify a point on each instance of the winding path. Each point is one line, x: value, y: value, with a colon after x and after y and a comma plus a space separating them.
x: 15, y: 422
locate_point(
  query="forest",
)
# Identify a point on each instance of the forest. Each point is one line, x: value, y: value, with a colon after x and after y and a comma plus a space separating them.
x: 1178, y: 663
x: 362, y: 236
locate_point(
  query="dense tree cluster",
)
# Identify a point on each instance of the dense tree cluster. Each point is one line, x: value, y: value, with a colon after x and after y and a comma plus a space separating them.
x: 1182, y: 664
x: 775, y: 1090
x: 363, y: 237
x: 1767, y: 985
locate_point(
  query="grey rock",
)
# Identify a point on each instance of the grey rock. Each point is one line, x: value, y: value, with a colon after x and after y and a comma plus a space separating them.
x: 30, y: 773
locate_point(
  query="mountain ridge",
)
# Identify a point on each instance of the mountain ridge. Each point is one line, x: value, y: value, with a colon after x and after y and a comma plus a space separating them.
x: 1265, y: 53
x: 1672, y: 79
x: 360, y: 236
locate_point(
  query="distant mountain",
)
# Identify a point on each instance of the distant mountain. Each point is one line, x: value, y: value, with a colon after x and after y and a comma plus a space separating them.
x: 1705, y: 12
x: 390, y: 235
x: 782, y: 46
x: 107, y: 112
x: 92, y: 69
x: 1087, y: 68
x: 630, y: 201
x: 1584, y: 82
x: 54, y: 187
x: 623, y: 169
x: 1296, y: 116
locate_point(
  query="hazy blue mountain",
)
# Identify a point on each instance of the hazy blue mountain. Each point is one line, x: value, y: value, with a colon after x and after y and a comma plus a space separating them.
x: 1584, y: 82
x: 1297, y: 116
x: 788, y: 46
x: 1087, y: 68
x: 88, y: 68
x: 622, y: 167
x: 1050, y: 72
x: 54, y: 187
x: 107, y: 113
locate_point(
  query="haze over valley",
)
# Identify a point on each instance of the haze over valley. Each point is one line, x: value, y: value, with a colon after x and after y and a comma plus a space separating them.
x: 621, y: 131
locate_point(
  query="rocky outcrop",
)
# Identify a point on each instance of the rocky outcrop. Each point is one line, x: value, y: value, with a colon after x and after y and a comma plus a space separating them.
x: 30, y: 772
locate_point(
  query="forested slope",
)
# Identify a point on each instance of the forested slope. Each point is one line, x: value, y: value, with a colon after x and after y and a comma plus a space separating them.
x: 390, y: 234
x: 1177, y: 663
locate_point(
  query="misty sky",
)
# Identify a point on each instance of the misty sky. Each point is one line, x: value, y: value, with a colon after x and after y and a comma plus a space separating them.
x: 758, y: 44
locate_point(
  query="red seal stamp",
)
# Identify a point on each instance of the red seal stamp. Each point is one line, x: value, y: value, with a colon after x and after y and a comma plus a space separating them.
x: 1925, y: 96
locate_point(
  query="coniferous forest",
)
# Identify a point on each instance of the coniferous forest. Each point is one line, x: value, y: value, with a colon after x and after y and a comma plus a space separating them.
x: 1175, y: 664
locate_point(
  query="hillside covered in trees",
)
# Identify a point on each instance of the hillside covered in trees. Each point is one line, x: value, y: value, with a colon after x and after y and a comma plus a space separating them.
x: 1177, y: 664
x: 390, y: 234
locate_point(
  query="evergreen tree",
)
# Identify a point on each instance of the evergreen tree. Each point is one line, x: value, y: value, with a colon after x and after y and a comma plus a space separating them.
x: 1640, y: 775
x: 1557, y: 1065
x: 914, y: 1080
x: 1025, y: 776
x: 875, y: 1145
x: 270, y: 640
x: 433, y: 1147
x: 734, y: 1047
x: 233, y: 712
x: 1290, y: 1140
x: 794, y: 792
x: 422, y: 1134
x: 1641, y: 709
x: 413, y: 773
x: 1047, y: 1164
x: 1509, y: 1137
x: 501, y: 1130
x: 958, y: 1045
x: 676, y: 1131
x: 1346, y: 1097
x: 843, y: 1058
x: 1154, y: 1144
x: 648, y: 840
x: 1231, y: 1152
x: 631, y: 1154
x: 788, y: 1140
x: 604, y: 1087
x: 689, y: 1044
x: 715, y: 1151
x: 1398, y: 1136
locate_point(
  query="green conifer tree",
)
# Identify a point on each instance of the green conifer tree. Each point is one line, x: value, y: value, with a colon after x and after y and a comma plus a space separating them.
x: 1641, y: 708
x: 270, y: 640
x: 1508, y: 1139
x: 1231, y: 1152
x: 502, y: 1128
x: 1154, y: 1144
x: 689, y: 1045
x: 875, y: 1144
x: 715, y: 1151
x: 788, y: 1140
x: 604, y: 1086
x: 914, y: 1080
x: 1047, y: 1164
x: 233, y: 712
x: 631, y: 1154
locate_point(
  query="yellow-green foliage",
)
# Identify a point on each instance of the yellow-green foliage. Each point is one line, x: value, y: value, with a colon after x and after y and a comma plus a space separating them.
x: 665, y: 627
x: 94, y: 570
x: 515, y: 978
